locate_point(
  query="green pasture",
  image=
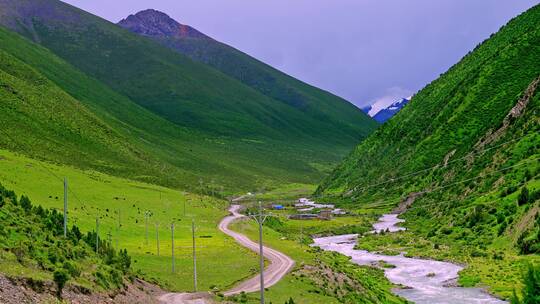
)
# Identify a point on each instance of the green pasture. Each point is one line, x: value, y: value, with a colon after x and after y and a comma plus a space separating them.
x: 221, y: 262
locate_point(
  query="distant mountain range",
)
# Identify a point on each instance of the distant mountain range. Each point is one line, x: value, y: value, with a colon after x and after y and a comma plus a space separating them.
x: 382, y: 115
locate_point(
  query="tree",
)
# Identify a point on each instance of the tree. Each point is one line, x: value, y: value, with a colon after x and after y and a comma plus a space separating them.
x: 124, y: 260
x: 523, y: 197
x: 531, y: 291
x: 60, y: 277
x: 25, y: 203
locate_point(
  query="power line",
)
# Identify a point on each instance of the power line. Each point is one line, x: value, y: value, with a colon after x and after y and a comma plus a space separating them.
x: 394, y: 201
x: 448, y: 201
x: 436, y: 166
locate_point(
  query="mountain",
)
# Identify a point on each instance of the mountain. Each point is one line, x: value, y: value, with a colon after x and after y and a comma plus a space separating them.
x: 463, y: 158
x: 251, y: 72
x: 385, y: 114
x: 153, y: 23
x: 186, y: 120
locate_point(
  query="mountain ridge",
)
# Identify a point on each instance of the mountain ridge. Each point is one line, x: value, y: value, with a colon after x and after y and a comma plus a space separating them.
x: 197, y: 121
x: 151, y: 22
x: 254, y: 74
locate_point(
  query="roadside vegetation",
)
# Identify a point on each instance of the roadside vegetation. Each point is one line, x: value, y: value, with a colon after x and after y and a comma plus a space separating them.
x: 32, y: 245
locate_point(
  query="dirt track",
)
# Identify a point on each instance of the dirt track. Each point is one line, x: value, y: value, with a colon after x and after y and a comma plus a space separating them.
x: 280, y: 265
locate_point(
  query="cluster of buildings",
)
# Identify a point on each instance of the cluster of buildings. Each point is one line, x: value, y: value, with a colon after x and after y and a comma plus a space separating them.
x: 308, y: 209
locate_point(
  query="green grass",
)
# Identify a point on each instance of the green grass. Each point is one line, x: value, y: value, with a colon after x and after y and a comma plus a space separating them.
x: 283, y: 193
x: 95, y: 194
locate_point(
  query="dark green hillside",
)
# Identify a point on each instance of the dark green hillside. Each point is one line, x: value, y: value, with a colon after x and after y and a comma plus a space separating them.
x: 169, y: 84
x: 248, y: 70
x: 32, y: 244
x: 465, y: 147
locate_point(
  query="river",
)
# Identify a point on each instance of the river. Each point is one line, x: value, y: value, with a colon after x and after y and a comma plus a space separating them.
x: 426, y: 281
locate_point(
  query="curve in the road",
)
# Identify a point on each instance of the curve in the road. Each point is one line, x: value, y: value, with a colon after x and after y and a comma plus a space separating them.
x: 280, y: 265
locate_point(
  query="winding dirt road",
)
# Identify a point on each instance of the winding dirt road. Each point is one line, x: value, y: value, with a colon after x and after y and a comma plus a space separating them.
x: 280, y: 265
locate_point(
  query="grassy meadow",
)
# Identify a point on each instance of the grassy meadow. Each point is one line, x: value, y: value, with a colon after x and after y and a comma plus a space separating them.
x: 94, y: 195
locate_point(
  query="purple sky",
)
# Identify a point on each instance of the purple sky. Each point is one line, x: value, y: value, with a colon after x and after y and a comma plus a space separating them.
x: 362, y: 50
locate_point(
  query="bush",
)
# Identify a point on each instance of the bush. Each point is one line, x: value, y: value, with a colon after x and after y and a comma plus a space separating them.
x: 529, y: 241
x: 523, y: 197
x: 531, y: 291
x: 25, y: 203
x: 124, y: 260
x: 290, y: 301
x: 60, y: 277
x: 72, y: 269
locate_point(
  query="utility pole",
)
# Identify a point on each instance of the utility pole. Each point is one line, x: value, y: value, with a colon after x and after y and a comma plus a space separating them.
x: 97, y: 234
x: 261, y: 218
x: 146, y: 214
x: 172, y: 245
x: 194, y: 257
x: 65, y: 205
x: 157, y: 238
x: 119, y: 222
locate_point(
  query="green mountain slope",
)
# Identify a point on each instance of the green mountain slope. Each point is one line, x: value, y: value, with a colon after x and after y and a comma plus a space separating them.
x: 44, y: 121
x: 248, y: 70
x: 454, y: 113
x: 195, y: 121
x: 163, y: 152
x: 458, y: 156
x: 184, y: 92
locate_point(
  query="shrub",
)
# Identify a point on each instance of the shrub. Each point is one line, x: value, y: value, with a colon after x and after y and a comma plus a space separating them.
x: 290, y: 301
x: 502, y: 228
x: 523, y: 197
x: 529, y: 241
x: 25, y: 203
x: 531, y: 291
x: 72, y: 269
x: 60, y: 277
x: 124, y: 260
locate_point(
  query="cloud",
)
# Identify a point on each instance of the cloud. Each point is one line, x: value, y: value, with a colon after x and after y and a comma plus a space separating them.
x: 390, y: 96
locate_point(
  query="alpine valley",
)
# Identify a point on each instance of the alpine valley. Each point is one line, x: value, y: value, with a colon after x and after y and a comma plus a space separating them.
x: 146, y: 162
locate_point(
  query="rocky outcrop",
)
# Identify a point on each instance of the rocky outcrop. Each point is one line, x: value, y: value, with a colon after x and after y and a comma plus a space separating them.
x: 154, y: 23
x: 514, y: 113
